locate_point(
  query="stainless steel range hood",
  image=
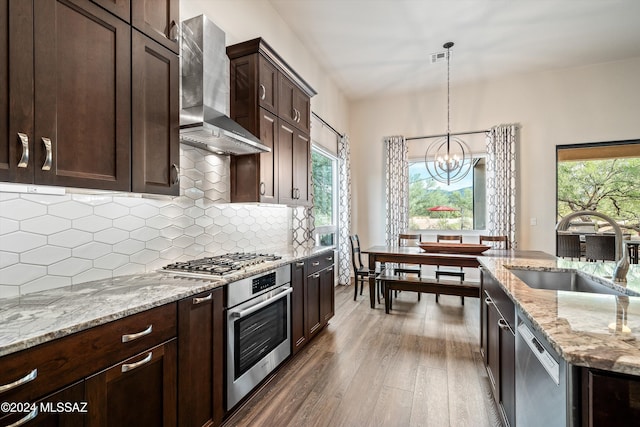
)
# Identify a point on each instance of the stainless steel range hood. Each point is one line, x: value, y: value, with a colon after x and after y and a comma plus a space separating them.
x: 204, y: 120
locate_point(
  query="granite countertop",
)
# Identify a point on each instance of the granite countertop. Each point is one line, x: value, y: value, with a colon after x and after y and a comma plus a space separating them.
x: 39, y: 317
x: 586, y: 329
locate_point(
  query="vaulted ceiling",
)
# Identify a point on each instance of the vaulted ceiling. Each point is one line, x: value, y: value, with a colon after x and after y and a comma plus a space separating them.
x: 374, y: 47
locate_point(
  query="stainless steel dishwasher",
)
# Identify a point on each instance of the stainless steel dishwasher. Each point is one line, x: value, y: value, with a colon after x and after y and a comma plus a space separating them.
x: 544, y: 395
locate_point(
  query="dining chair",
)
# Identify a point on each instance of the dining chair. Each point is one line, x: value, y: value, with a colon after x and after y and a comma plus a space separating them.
x: 497, y: 242
x: 600, y: 247
x: 568, y: 246
x: 409, y: 240
x: 457, y: 238
x: 360, y: 271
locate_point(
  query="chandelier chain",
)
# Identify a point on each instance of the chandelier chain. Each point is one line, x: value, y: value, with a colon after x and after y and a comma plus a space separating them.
x: 448, y: 91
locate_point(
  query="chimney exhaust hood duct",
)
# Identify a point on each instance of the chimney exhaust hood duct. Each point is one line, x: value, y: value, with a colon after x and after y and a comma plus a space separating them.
x: 204, y: 120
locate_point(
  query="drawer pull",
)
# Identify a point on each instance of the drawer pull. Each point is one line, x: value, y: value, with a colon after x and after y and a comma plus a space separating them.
x: 488, y: 301
x: 197, y: 301
x: 130, y: 366
x: 31, y: 415
x: 263, y: 92
x: 503, y: 324
x: 315, y: 263
x: 329, y: 258
x: 27, y: 378
x: 49, y: 158
x: 300, y: 264
x: 315, y: 276
x: 131, y: 337
x: 24, y: 160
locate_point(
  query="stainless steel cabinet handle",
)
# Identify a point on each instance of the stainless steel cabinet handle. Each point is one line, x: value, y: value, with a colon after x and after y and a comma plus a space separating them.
x: 24, y: 160
x: 49, y: 159
x: 129, y: 366
x: 27, y: 378
x: 131, y: 337
x: 315, y: 263
x: 488, y: 301
x: 176, y: 169
x: 329, y: 258
x: 300, y: 264
x: 262, y: 188
x: 173, y: 32
x: 263, y: 92
x: 315, y: 276
x: 31, y: 415
x: 503, y: 324
x: 203, y: 299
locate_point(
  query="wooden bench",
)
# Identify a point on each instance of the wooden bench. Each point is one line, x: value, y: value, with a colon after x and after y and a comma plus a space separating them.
x: 391, y: 282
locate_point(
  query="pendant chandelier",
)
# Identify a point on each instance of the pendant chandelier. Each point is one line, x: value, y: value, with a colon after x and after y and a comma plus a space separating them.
x: 448, y: 158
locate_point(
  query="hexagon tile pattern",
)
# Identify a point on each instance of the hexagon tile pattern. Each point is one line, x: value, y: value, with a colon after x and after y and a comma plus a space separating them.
x: 48, y: 241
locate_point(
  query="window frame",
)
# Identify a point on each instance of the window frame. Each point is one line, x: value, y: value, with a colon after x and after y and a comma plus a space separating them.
x: 333, y: 227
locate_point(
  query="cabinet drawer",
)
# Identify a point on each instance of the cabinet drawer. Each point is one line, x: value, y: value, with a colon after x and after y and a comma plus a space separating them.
x: 499, y: 297
x: 34, y: 372
x: 319, y: 262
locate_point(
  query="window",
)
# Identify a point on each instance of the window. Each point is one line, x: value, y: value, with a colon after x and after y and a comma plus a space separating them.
x: 436, y: 206
x: 604, y: 177
x: 325, y: 185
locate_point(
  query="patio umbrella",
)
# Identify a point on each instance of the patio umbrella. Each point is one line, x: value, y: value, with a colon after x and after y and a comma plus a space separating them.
x: 441, y: 208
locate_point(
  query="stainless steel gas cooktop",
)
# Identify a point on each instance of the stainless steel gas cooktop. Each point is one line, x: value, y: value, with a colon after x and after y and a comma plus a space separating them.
x: 220, y: 265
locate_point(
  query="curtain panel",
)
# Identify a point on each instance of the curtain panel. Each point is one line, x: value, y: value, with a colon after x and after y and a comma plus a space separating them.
x: 397, y: 187
x: 344, y: 210
x: 501, y: 182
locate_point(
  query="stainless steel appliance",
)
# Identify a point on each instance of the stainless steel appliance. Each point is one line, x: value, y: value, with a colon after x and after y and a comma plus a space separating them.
x: 544, y: 393
x: 258, y: 330
x: 258, y: 313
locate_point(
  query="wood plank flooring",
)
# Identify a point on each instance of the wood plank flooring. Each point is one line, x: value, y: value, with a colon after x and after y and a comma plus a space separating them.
x: 418, y: 366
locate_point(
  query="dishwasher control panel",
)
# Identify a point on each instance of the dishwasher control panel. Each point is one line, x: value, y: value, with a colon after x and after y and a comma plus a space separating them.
x: 547, y: 361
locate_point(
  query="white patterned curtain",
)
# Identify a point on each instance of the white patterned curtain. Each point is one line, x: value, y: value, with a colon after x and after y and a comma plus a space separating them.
x: 501, y: 182
x: 397, y: 188
x: 344, y: 210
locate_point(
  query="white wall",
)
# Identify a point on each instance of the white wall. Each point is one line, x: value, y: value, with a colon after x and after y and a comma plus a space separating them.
x: 588, y: 104
x: 243, y: 20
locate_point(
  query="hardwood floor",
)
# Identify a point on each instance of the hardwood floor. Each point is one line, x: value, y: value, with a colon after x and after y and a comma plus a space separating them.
x: 418, y: 366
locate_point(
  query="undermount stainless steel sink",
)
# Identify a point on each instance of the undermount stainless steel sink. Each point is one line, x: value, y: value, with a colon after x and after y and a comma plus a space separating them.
x: 562, y: 281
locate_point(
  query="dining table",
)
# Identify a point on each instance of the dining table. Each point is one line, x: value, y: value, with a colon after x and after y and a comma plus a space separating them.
x: 415, y: 255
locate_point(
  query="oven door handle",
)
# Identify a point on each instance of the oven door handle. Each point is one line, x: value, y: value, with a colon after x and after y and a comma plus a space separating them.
x: 254, y: 308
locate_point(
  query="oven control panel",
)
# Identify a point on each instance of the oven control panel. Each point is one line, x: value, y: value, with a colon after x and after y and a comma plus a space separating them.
x: 261, y: 283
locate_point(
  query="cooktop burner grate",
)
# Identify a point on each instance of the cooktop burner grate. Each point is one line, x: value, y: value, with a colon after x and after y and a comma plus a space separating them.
x: 221, y: 264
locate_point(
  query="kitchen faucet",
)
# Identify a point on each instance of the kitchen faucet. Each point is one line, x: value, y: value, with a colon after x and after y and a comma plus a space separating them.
x: 622, y: 260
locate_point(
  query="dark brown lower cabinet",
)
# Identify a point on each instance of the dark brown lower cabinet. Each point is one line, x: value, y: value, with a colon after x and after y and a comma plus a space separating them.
x: 298, y: 309
x: 64, y: 408
x: 200, y: 359
x: 314, y: 317
x: 609, y: 399
x: 327, y: 294
x: 497, y: 345
x: 140, y: 391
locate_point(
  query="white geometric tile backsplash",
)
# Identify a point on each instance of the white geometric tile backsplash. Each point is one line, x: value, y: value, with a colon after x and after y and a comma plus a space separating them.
x: 48, y: 241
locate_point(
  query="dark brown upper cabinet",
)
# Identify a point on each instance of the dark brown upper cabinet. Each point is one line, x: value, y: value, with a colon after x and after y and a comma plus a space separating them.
x: 68, y: 109
x: 158, y: 19
x: 273, y: 102
x: 155, y: 118
x: 82, y: 96
x: 16, y: 91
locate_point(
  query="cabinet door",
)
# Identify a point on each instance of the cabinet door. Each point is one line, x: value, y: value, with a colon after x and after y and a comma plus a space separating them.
x: 314, y: 317
x: 298, y: 309
x: 200, y: 359
x: 609, y: 399
x: 507, y: 373
x: 286, y: 95
x: 267, y: 84
x: 327, y: 294
x: 64, y: 408
x: 82, y: 96
x: 158, y: 19
x: 16, y: 91
x: 156, y: 118
x: 286, y: 141
x: 301, y: 179
x: 268, y: 187
x: 493, y: 350
x: 141, y: 391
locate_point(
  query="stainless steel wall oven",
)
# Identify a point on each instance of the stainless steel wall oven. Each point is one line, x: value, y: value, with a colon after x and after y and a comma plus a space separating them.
x: 258, y: 329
